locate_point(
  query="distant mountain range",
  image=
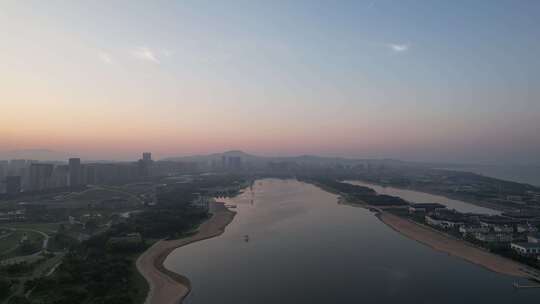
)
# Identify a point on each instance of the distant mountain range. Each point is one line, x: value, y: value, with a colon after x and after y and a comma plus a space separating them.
x: 301, y: 159
x: 521, y: 173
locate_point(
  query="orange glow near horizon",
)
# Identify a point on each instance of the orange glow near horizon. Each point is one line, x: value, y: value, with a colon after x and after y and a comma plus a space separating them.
x: 177, y: 81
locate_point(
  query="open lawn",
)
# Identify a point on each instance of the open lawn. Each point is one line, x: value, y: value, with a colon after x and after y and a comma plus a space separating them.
x: 100, y: 194
x: 10, y: 246
x: 10, y: 242
x: 47, y: 228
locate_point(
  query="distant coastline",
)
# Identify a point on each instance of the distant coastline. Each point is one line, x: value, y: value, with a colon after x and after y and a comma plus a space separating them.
x: 515, y: 173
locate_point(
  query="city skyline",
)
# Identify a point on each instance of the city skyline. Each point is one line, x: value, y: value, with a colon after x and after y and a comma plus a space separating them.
x: 269, y: 151
x: 418, y: 81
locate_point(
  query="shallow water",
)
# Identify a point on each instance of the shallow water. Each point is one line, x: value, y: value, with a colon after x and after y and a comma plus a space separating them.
x: 304, y: 247
x: 421, y: 197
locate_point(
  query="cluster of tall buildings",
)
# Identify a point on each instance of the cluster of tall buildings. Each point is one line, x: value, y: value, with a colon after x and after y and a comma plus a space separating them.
x: 28, y: 175
x: 231, y: 162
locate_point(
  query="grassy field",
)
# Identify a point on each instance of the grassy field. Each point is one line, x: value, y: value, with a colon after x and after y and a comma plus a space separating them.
x: 47, y: 228
x: 9, y: 246
x: 100, y: 194
x: 10, y: 242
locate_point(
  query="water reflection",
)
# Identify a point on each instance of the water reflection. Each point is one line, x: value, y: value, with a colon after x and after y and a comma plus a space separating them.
x: 421, y: 197
x: 304, y: 248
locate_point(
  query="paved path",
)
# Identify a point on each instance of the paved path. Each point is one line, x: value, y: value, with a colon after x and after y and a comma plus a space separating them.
x: 34, y: 255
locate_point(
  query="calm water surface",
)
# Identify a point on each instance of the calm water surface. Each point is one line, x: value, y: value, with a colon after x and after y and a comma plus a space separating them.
x: 304, y: 247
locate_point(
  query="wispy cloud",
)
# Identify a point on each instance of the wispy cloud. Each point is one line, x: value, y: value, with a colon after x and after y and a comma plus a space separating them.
x: 167, y: 53
x: 105, y: 57
x: 398, y: 48
x: 146, y: 54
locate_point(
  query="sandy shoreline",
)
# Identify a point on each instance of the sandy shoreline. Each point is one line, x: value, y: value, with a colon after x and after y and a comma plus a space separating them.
x: 452, y: 246
x: 165, y: 286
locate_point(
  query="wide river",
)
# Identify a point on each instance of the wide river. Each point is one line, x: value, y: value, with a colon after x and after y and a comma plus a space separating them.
x: 293, y: 243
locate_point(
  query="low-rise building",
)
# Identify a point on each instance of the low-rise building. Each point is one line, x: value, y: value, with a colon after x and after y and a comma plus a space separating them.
x: 472, y: 230
x: 514, y: 198
x: 500, y: 224
x: 534, y: 238
x: 503, y: 229
x: 447, y: 219
x: 425, y: 208
x: 201, y: 201
x: 526, y: 249
x: 526, y: 228
x: 492, y: 237
x: 13, y: 216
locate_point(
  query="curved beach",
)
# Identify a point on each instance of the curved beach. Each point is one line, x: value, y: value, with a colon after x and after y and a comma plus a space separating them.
x: 165, y: 286
x: 459, y: 248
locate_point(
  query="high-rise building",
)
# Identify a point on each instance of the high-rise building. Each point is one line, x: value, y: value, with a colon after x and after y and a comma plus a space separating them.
x: 40, y: 175
x: 3, y: 169
x: 13, y: 184
x: 90, y: 173
x: 75, y: 173
x: 145, y: 164
x: 235, y: 162
x: 60, y: 176
x: 224, y: 161
x: 3, y: 173
x: 16, y: 166
x: 147, y: 156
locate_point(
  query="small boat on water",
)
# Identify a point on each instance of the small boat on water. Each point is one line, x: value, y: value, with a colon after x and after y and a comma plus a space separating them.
x: 231, y: 206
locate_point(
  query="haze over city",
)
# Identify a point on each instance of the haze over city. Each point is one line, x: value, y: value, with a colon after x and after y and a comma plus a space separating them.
x: 269, y: 151
x: 445, y: 81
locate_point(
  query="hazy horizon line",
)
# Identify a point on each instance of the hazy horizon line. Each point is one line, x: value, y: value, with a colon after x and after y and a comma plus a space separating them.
x: 67, y: 155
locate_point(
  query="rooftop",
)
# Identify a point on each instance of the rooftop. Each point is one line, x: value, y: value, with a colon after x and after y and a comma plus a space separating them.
x: 527, y: 245
x: 427, y: 205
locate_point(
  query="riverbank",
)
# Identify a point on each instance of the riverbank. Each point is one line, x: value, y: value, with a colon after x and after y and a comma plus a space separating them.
x: 165, y: 286
x: 452, y: 196
x: 438, y: 240
x: 458, y: 248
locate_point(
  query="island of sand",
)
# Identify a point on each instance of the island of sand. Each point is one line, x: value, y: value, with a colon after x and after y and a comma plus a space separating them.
x: 165, y: 286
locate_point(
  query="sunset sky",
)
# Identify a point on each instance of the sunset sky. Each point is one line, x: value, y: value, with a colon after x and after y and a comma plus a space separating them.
x: 454, y: 81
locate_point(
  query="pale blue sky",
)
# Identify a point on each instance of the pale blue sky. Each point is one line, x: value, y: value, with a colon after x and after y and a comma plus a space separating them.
x: 418, y: 80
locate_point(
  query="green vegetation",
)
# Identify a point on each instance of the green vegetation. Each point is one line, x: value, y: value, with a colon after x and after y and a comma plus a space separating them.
x: 5, y: 286
x: 13, y: 245
x: 139, y: 286
x: 91, y: 272
x: 47, y: 228
x: 97, y: 194
x: 10, y: 242
x: 355, y: 193
x: 61, y: 241
x: 19, y: 269
x: 102, y: 269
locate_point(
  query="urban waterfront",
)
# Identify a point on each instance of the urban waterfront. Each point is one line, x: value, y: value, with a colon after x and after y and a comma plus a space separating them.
x: 292, y: 242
